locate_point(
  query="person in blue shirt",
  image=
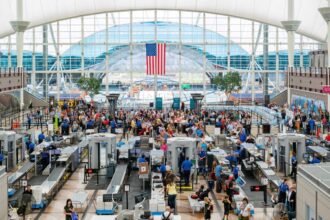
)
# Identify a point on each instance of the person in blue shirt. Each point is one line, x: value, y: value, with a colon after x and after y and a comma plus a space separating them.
x: 29, y: 121
x: 311, y: 124
x: 199, y: 133
x: 142, y: 159
x: 294, y: 164
x: 90, y: 124
x: 202, y: 161
x: 186, y: 168
x: 162, y: 169
x: 204, y: 146
x: 232, y: 160
x: 283, y: 189
x: 218, y: 171
x: 41, y: 137
x: 65, y: 127
x: 242, y: 136
x: 113, y: 126
x: 235, y: 172
x: 218, y: 123
x: 31, y: 147
x: 1, y: 159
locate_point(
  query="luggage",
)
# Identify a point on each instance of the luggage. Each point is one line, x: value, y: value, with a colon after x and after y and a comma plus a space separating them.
x: 21, y: 210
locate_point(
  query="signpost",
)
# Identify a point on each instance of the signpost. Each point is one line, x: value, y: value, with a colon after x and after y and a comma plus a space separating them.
x: 126, y: 189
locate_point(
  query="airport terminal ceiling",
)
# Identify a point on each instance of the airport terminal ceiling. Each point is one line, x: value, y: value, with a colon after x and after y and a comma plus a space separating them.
x: 267, y: 11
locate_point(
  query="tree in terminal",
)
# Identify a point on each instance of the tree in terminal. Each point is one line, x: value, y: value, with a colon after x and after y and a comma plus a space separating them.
x: 90, y: 85
x: 232, y: 81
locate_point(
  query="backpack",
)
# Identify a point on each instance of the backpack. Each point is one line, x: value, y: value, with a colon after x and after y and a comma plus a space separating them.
x: 168, y: 216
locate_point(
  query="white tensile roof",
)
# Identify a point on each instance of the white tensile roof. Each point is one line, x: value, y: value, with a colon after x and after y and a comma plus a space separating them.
x: 272, y: 12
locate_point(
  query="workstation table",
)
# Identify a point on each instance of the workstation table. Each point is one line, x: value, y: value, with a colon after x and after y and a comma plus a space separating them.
x: 157, y: 202
x: 263, y: 171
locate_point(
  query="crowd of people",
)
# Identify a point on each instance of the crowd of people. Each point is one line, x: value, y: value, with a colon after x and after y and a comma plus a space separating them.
x: 163, y: 125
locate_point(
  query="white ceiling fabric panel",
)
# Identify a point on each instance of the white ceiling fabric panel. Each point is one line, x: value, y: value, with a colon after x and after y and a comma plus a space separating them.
x: 38, y: 12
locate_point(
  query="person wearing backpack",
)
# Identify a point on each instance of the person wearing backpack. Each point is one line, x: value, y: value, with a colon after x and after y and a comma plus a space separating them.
x: 167, y: 215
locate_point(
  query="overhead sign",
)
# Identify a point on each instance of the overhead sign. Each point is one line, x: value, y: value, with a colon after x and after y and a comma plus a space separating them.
x: 326, y: 89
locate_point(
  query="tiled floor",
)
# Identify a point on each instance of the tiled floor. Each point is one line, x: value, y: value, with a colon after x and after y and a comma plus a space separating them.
x: 54, y: 211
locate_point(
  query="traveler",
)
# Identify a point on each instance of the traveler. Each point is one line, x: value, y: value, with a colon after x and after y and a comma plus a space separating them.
x: 186, y: 168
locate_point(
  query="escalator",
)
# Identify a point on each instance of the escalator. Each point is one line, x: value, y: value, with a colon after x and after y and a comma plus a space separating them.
x: 35, y: 98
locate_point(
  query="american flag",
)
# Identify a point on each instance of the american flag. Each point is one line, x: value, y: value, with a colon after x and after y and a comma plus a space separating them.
x: 156, y: 58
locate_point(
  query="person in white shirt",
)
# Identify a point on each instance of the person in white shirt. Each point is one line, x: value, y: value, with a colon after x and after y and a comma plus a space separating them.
x: 271, y: 161
x: 247, y: 210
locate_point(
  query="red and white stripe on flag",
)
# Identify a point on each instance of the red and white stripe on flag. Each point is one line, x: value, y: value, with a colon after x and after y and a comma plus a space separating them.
x: 161, y: 58
x: 156, y: 59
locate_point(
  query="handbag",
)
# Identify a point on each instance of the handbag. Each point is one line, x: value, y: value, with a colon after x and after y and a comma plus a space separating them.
x: 74, y: 216
x: 212, y: 176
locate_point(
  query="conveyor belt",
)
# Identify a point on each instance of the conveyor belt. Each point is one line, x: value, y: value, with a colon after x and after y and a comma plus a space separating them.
x: 27, y: 166
x: 117, y: 179
x: 56, y: 174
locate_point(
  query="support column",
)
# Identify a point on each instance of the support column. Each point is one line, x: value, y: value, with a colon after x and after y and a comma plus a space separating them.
x: 291, y: 27
x: 253, y: 77
x: 45, y: 58
x: 277, y: 64
x: 82, y: 48
x: 325, y: 12
x: 58, y: 62
x: 33, y: 74
x: 20, y: 26
x: 265, y: 58
x: 9, y: 51
x: 228, y: 44
x: 131, y: 46
x: 301, y: 60
x: 107, y: 55
x: 204, y: 58
x: 180, y: 56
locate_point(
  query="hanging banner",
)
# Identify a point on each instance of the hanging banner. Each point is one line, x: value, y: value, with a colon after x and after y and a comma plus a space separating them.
x: 192, y: 104
x: 176, y: 103
x: 326, y: 89
x: 159, y: 103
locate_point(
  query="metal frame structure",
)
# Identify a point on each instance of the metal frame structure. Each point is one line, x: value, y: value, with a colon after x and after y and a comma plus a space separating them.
x: 201, y: 21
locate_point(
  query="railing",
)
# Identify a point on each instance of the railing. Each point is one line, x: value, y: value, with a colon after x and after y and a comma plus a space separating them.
x: 268, y: 115
x: 20, y: 118
x: 11, y: 70
x: 34, y: 93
